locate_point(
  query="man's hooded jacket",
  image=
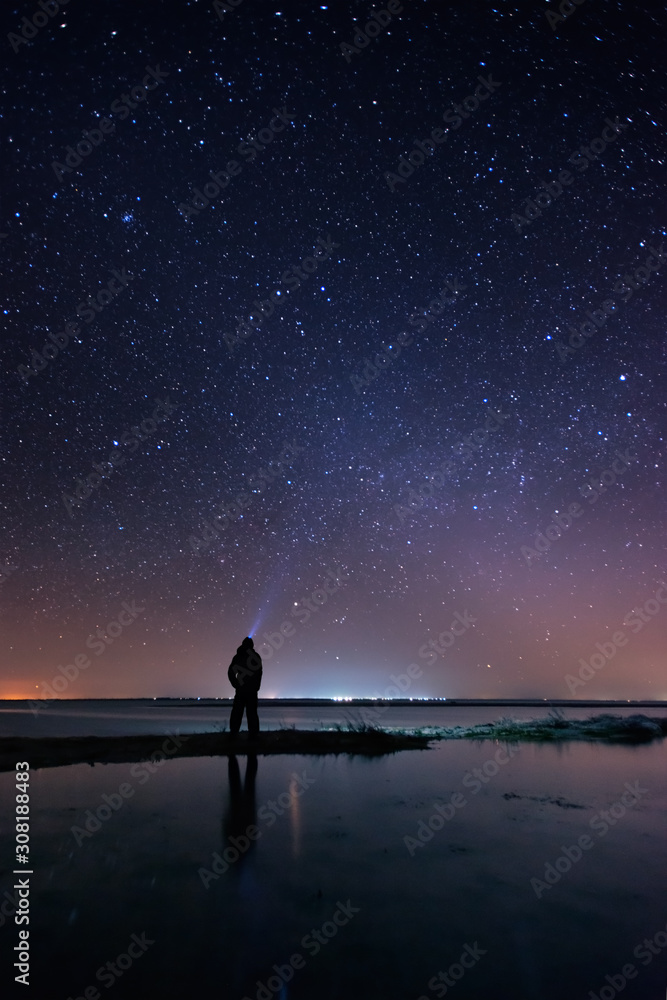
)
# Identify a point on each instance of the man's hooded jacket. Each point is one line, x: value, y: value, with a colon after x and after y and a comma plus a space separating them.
x: 245, y: 670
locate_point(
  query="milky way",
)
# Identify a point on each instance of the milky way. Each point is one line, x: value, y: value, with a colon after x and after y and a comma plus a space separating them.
x: 336, y: 332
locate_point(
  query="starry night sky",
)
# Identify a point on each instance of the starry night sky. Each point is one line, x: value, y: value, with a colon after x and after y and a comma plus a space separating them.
x: 360, y: 440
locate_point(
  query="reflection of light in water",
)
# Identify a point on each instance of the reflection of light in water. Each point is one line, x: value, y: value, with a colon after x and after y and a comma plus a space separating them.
x: 295, y: 818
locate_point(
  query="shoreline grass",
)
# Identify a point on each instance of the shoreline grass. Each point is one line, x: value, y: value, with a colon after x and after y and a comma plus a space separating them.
x: 633, y: 729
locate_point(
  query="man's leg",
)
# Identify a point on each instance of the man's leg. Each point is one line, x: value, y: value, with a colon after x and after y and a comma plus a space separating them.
x: 237, y: 715
x: 251, y: 713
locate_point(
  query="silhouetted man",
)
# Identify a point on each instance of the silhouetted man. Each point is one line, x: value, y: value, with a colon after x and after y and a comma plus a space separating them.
x: 245, y: 676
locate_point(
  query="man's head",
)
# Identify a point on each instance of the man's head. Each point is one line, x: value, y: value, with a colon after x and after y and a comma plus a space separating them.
x: 247, y: 643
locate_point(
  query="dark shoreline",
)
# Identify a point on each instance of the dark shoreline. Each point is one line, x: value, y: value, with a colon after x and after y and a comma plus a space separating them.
x: 58, y: 751
x: 361, y: 739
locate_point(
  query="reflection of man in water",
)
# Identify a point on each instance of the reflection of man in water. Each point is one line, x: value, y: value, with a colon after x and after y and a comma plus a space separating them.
x: 245, y: 676
x: 242, y: 811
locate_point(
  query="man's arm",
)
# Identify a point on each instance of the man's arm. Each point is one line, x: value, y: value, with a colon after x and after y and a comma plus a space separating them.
x: 231, y: 673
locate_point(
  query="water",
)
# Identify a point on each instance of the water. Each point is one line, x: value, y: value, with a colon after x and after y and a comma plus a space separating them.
x: 330, y: 856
